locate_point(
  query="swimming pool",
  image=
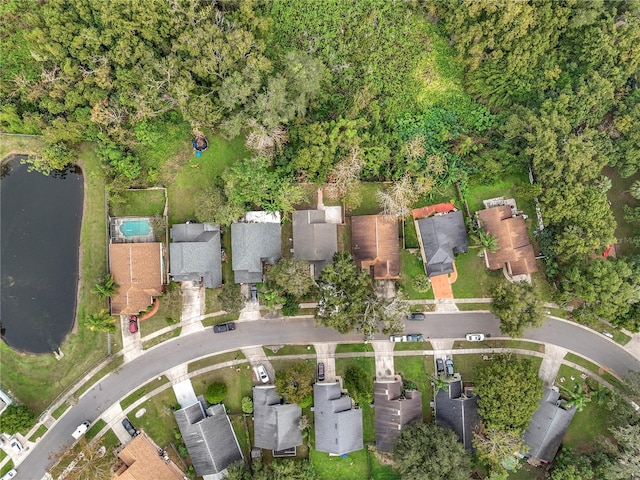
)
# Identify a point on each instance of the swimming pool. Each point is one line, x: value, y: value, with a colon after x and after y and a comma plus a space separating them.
x: 134, y: 228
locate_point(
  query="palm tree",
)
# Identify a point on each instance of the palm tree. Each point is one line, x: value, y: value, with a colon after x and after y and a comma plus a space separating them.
x: 579, y: 397
x: 272, y: 299
x: 100, y: 322
x: 439, y: 384
x: 601, y: 394
x: 105, y: 287
x: 634, y: 190
x: 484, y: 240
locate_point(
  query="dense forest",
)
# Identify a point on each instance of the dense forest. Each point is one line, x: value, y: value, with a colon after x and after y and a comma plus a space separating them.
x: 424, y: 94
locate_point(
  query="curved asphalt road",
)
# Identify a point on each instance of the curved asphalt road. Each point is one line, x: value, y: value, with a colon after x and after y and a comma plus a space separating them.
x: 284, y: 331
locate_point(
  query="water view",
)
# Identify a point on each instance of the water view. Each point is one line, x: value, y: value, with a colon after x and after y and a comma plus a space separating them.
x: 40, y: 219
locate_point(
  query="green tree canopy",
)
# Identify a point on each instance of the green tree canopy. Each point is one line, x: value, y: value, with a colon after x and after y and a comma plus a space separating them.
x: 231, y: 300
x: 216, y: 393
x: 16, y: 418
x: 508, y: 390
x: 517, y: 306
x: 295, y: 383
x: 292, y: 276
x: 426, y: 451
x: 358, y: 383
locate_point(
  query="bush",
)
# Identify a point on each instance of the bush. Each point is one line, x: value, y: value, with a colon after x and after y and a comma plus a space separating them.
x: 306, y: 402
x: 290, y: 306
x: 247, y: 405
x: 16, y: 418
x: 421, y: 283
x: 216, y: 393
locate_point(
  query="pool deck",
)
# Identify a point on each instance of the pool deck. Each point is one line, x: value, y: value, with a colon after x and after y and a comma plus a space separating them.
x: 117, y: 236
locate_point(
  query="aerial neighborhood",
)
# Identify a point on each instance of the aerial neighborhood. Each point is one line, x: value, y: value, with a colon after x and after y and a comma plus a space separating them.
x: 292, y: 239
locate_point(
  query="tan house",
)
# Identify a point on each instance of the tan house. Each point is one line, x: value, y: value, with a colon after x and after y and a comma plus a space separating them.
x: 515, y: 252
x: 141, y: 460
x: 137, y: 270
x: 375, y: 245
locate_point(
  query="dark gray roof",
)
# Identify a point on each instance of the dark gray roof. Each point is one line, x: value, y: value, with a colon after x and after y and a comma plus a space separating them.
x: 457, y: 412
x: 314, y: 240
x: 251, y: 245
x: 393, y: 412
x: 209, y: 437
x: 442, y: 236
x: 338, y: 426
x: 195, y: 253
x: 276, y: 425
x: 547, y: 427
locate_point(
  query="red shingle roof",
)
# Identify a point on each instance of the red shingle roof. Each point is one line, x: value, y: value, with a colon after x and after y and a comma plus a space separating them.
x: 375, y: 243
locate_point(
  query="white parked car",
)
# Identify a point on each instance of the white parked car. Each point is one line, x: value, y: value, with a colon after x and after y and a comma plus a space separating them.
x: 10, y: 474
x: 15, y: 445
x: 475, y: 337
x: 262, y: 374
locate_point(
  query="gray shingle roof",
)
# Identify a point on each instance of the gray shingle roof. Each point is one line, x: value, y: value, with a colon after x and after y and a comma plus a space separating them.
x: 251, y: 245
x: 195, y: 253
x: 338, y: 426
x: 314, y: 240
x: 392, y: 412
x: 547, y: 427
x: 442, y: 236
x: 209, y: 437
x: 457, y: 413
x: 276, y: 425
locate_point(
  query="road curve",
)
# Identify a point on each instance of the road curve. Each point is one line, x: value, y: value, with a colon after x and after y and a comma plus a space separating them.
x: 284, y: 331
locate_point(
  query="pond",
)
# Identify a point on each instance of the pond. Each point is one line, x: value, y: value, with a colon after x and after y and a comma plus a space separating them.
x: 40, y: 218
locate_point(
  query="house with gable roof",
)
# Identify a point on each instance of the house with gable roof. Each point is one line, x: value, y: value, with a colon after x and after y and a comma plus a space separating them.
x: 375, y: 245
x: 314, y: 238
x: 254, y: 242
x: 195, y: 254
x: 276, y: 424
x: 338, y: 423
x: 394, y: 408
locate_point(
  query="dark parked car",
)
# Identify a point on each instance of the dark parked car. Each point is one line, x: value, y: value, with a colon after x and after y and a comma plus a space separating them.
x: 224, y: 327
x: 416, y: 316
x: 129, y: 428
x: 133, y: 324
x: 320, y: 372
x: 439, y: 366
x: 449, y: 363
x: 254, y: 294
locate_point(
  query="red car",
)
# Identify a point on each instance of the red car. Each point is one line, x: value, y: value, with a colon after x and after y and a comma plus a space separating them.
x: 133, y: 324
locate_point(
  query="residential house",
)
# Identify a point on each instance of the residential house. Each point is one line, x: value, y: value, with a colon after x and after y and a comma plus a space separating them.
x: 441, y: 236
x: 338, y: 424
x: 254, y: 243
x: 457, y: 410
x: 142, y: 459
x: 195, y: 254
x: 137, y: 270
x: 394, y: 408
x: 314, y: 239
x: 515, y: 252
x: 547, y: 428
x: 376, y: 246
x: 276, y: 425
x: 209, y: 438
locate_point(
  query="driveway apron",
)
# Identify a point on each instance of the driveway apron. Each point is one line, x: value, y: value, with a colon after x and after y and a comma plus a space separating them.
x: 192, y: 307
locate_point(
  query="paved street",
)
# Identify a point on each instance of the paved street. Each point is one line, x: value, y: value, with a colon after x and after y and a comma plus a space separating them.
x: 185, y: 349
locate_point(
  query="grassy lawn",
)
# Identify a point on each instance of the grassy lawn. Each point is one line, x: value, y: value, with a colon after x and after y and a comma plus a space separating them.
x: 242, y: 433
x: 139, y: 203
x: 7, y: 466
x: 17, y: 144
x: 227, y: 317
x: 42, y: 429
x: 520, y: 344
x: 239, y: 382
x: 191, y: 173
x: 353, y: 347
x: 465, y: 364
x: 353, y: 467
x: 142, y: 391
x: 592, y: 367
x: 158, y: 420
x: 290, y: 350
x: 528, y: 472
x: 161, y: 338
x: 474, y: 280
x: 619, y: 196
x: 380, y: 471
x: 620, y: 337
x: 369, y: 204
x: 590, y: 424
x: 215, y: 360
x: 419, y: 370
x: 411, y: 266
x: 410, y: 234
x: 403, y: 346
x: 466, y: 307
x: 503, y: 188
x: 95, y: 429
x: 36, y: 380
x: 169, y: 312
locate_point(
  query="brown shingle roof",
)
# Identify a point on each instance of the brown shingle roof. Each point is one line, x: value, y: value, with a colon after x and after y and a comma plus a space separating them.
x: 141, y: 462
x: 515, y: 249
x: 137, y: 270
x: 375, y: 243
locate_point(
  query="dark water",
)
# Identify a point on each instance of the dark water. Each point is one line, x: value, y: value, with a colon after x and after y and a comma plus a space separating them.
x: 40, y: 220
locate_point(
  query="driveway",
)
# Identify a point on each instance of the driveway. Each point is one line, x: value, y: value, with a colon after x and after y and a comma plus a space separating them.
x: 193, y: 303
x: 131, y: 342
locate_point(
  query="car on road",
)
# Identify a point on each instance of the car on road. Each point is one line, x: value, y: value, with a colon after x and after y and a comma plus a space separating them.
x: 320, y: 372
x: 409, y: 337
x: 262, y: 374
x: 449, y: 364
x: 416, y: 316
x: 474, y: 337
x: 129, y: 427
x: 254, y: 293
x: 439, y: 366
x: 133, y: 324
x: 15, y: 445
x: 224, y: 327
